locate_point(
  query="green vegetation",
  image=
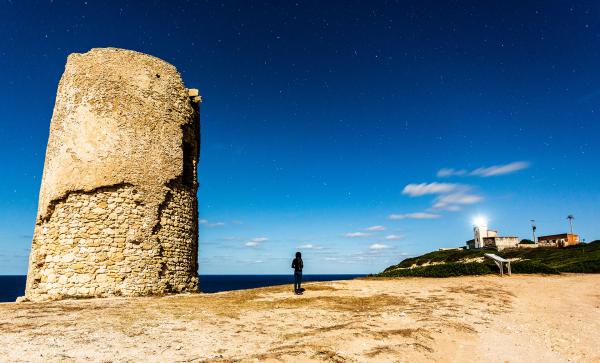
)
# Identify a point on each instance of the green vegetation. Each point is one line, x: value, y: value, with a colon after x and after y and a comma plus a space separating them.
x: 587, y: 266
x: 583, y: 258
x: 442, y: 270
x: 532, y: 267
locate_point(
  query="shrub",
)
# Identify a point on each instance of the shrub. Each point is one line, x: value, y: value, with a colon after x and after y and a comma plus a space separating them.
x: 444, y: 270
x: 439, y: 256
x: 580, y: 258
x: 590, y: 266
x: 532, y: 267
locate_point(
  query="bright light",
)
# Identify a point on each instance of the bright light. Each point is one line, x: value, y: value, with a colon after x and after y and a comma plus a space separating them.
x: 480, y: 221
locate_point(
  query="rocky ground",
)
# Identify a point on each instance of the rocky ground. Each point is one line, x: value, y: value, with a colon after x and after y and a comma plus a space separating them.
x: 489, y: 318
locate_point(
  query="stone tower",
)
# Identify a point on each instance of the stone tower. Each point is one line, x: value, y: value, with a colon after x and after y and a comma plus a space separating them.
x: 117, y: 210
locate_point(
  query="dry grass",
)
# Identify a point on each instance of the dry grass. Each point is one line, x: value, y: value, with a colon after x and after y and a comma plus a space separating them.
x: 405, y: 333
x: 378, y: 350
x: 233, y: 304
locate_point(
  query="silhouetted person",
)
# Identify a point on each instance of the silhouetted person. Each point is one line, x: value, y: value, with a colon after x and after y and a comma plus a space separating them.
x: 297, y: 265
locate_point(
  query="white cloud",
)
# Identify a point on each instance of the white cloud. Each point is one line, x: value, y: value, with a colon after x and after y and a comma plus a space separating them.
x: 310, y: 246
x: 211, y: 225
x: 357, y: 234
x: 250, y: 262
x: 446, y: 172
x: 418, y: 215
x: 450, y: 197
x: 452, y: 208
x: 344, y: 260
x: 485, y: 171
x: 454, y: 201
x: 254, y: 242
x: 378, y: 246
x: 393, y: 237
x: 501, y: 169
x: 417, y: 190
x: 375, y: 228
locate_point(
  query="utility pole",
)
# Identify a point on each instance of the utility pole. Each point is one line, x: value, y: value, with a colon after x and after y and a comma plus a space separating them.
x: 570, y: 217
x: 533, y: 228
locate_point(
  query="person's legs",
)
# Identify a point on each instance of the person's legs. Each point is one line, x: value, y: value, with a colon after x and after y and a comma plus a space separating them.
x: 296, y: 282
x: 300, y: 281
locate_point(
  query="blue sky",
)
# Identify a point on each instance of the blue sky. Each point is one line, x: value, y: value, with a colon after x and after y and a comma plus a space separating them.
x: 358, y: 133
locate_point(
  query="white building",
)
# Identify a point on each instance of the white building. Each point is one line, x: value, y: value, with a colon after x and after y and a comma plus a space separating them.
x: 481, y: 232
x: 487, y: 238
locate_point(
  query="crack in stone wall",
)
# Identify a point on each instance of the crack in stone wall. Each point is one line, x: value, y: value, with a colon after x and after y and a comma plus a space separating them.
x: 53, y: 203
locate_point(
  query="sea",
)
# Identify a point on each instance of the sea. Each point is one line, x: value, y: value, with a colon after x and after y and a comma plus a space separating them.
x: 12, y: 287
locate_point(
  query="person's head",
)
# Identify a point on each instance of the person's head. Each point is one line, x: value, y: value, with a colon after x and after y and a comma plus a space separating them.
x: 298, y: 255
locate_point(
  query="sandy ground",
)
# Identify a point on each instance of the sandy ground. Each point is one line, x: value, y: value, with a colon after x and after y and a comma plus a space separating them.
x: 490, y: 318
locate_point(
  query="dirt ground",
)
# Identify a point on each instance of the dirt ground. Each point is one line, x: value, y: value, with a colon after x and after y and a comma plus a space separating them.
x: 489, y: 318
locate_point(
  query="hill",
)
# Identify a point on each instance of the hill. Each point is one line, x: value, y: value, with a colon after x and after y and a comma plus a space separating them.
x: 583, y: 258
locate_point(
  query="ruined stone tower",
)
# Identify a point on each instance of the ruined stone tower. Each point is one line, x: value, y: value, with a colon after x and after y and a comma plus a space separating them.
x: 117, y: 210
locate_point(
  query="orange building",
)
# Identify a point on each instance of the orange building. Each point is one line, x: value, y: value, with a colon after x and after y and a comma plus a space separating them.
x: 558, y: 240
